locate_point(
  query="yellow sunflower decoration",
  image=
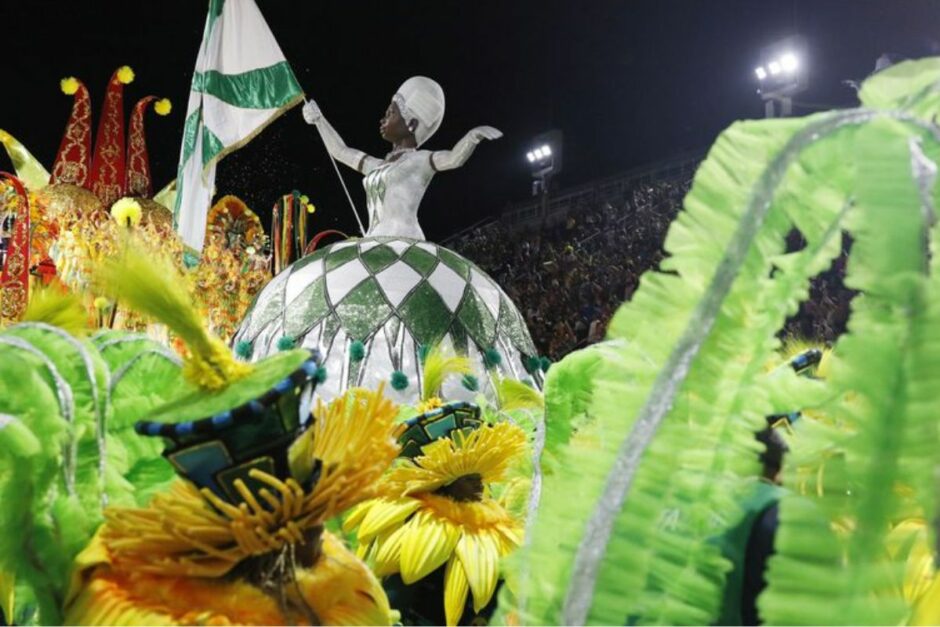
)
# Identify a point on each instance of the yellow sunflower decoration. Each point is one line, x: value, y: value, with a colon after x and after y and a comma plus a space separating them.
x: 192, y: 558
x: 437, y: 510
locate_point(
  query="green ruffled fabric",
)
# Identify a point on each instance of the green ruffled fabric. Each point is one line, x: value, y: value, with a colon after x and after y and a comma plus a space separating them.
x: 727, y: 258
x: 67, y: 447
x: 144, y: 374
x: 878, y: 447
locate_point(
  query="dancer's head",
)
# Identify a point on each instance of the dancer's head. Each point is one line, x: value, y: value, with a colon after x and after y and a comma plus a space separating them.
x: 415, y: 112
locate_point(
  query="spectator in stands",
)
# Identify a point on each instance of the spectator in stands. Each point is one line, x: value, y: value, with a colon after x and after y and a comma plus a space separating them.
x: 569, y: 278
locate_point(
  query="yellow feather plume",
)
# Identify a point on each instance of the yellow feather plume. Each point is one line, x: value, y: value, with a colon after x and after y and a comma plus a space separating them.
x: 437, y: 367
x: 163, y: 106
x: 7, y: 595
x: 125, y: 74
x: 59, y: 308
x: 150, y: 283
x: 127, y: 212
x: 515, y: 395
x: 824, y: 366
x: 69, y: 85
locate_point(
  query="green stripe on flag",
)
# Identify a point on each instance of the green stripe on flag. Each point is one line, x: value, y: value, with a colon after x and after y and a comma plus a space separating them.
x: 189, y: 133
x: 215, y: 10
x: 211, y: 146
x: 270, y: 87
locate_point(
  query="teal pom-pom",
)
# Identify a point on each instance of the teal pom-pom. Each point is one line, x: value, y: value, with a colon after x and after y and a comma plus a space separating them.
x: 320, y: 377
x: 545, y: 363
x: 423, y: 351
x: 399, y: 380
x: 285, y: 343
x: 357, y: 351
x: 492, y: 358
x: 244, y: 349
x: 533, y: 364
x: 470, y: 382
x: 190, y: 260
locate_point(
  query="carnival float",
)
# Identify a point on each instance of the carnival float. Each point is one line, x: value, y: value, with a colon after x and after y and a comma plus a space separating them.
x: 56, y: 228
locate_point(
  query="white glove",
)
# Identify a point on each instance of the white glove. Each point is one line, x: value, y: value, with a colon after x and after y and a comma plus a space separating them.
x: 312, y: 113
x: 480, y: 133
x: 451, y: 159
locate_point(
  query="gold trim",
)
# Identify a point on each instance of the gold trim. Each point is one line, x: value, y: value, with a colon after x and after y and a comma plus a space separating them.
x: 241, y: 143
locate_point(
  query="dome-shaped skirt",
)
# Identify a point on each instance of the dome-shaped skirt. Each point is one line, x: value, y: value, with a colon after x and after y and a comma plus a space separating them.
x: 395, y: 296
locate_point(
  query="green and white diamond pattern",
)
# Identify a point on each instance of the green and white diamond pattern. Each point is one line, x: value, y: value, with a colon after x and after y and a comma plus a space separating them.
x: 394, y: 295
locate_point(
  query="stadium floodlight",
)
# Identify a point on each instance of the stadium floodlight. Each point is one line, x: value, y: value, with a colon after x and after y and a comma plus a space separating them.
x: 545, y: 155
x: 541, y: 157
x: 781, y: 72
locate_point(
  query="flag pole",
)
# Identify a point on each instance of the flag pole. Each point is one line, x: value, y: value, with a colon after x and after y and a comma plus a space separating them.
x: 342, y: 182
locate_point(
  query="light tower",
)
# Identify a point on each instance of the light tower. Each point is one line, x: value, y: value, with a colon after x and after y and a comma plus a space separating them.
x: 545, y: 161
x: 782, y: 74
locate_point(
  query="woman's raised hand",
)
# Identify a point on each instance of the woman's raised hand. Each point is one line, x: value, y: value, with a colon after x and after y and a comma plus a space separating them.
x: 312, y: 113
x: 480, y: 133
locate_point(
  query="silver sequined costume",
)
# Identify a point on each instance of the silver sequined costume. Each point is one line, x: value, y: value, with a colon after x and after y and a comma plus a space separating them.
x: 392, y: 291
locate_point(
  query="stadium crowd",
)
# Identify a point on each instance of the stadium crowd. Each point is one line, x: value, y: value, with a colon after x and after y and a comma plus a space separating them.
x: 570, y: 277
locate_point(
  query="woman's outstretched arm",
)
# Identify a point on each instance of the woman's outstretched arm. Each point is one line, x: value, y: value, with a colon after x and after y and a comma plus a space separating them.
x: 355, y: 159
x: 456, y: 157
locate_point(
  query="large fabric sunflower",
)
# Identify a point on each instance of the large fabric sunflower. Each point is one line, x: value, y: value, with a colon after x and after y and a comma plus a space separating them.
x: 191, y: 557
x: 437, y: 510
x: 339, y: 590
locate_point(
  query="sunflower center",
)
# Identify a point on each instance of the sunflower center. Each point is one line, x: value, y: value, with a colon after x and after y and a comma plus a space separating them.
x: 274, y: 571
x: 463, y: 489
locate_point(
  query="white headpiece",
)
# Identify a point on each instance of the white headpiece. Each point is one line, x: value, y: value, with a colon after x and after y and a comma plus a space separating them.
x: 420, y: 98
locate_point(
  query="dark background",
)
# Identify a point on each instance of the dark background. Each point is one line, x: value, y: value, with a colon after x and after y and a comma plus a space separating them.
x: 627, y: 81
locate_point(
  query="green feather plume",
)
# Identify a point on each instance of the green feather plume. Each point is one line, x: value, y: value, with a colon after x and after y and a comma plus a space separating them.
x: 52, y: 305
x: 148, y: 282
x: 437, y: 367
x: 514, y: 395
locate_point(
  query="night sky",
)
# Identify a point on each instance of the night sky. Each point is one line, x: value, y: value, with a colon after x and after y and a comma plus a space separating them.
x: 626, y: 81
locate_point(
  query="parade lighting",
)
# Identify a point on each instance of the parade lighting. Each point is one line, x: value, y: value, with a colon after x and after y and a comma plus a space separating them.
x: 547, y: 150
x: 774, y: 67
x: 789, y: 62
x: 761, y: 73
x: 530, y: 156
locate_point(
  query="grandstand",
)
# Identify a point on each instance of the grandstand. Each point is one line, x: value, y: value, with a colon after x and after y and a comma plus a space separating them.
x: 569, y: 267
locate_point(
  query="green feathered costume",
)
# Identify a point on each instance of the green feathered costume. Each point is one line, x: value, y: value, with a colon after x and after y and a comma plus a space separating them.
x: 70, y: 409
x: 664, y: 446
x: 68, y: 447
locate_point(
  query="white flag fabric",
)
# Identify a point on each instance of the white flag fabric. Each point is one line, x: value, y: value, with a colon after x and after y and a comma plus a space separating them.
x: 241, y: 84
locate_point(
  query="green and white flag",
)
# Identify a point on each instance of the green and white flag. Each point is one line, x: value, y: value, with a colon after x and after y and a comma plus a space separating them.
x: 241, y: 84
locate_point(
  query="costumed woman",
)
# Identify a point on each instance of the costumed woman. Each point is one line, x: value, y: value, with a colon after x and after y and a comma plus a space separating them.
x: 376, y: 305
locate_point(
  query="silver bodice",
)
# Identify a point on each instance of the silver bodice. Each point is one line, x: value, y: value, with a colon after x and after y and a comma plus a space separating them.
x: 393, y: 194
